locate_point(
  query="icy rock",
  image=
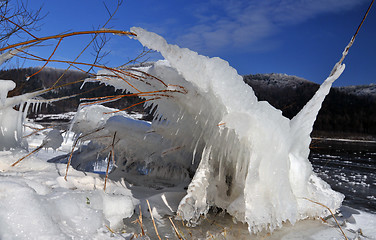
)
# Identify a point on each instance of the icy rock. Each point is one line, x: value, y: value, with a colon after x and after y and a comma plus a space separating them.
x: 53, y: 139
x: 115, y: 208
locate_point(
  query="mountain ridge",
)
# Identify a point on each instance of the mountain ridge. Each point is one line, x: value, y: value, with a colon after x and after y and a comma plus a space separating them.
x: 346, y: 111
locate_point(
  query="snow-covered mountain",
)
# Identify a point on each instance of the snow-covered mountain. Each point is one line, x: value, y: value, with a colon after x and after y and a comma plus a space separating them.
x: 276, y: 80
x: 284, y: 81
x: 347, y: 110
x: 360, y: 90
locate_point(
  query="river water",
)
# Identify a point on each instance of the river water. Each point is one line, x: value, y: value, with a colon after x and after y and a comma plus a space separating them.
x: 349, y: 167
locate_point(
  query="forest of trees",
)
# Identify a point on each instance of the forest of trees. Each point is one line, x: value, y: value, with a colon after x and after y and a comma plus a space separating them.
x: 47, y: 77
x: 342, y: 113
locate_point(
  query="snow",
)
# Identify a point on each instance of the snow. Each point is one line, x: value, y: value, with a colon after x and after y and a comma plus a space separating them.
x: 37, y: 203
x: 363, y: 90
x: 79, y: 208
x: 245, y: 158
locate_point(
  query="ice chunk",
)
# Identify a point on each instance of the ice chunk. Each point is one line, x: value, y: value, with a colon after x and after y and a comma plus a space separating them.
x: 5, y: 87
x: 115, y: 208
x: 53, y: 139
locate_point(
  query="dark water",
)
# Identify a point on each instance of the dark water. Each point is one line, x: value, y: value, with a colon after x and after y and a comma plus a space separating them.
x: 350, y: 168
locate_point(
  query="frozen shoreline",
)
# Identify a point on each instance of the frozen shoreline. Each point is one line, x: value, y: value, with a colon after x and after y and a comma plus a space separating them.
x: 36, y: 190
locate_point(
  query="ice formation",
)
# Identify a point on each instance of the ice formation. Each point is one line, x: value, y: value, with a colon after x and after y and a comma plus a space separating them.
x: 139, y: 150
x: 11, y: 120
x: 252, y: 161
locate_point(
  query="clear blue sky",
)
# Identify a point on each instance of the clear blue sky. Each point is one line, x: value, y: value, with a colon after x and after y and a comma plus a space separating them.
x: 303, y: 38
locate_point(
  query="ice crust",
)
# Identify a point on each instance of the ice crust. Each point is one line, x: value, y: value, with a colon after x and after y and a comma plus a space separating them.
x: 250, y: 160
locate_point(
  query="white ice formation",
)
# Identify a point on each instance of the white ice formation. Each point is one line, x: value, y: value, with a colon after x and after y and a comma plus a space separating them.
x: 11, y: 120
x: 252, y: 161
x: 139, y: 150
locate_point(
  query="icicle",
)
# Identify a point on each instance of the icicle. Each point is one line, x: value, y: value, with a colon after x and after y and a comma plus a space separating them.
x: 39, y: 106
x: 195, y: 148
x: 18, y: 135
x: 34, y: 106
x: 26, y: 110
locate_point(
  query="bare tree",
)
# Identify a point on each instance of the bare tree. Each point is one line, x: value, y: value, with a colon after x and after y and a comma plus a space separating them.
x: 18, y: 20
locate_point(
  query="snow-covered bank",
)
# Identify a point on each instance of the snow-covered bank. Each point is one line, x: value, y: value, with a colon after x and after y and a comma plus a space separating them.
x: 37, y: 203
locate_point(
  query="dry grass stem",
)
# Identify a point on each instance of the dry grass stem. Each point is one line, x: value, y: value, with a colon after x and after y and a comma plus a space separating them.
x: 74, y: 147
x: 111, y: 157
x: 139, y: 221
x: 343, y: 233
x: 176, y: 230
x: 34, y: 151
x: 37, y: 130
x: 152, y: 218
x: 109, y: 229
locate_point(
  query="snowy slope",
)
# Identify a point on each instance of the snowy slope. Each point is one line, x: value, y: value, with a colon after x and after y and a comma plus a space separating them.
x: 361, y: 90
x: 284, y: 81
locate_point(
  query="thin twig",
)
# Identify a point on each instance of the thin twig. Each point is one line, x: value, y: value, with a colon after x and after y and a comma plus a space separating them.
x: 351, y: 41
x: 109, y: 229
x: 133, y: 105
x: 49, y: 58
x: 23, y: 29
x: 119, y: 32
x: 140, y: 221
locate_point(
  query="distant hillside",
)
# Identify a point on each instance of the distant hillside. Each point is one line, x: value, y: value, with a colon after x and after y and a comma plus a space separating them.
x: 345, y: 111
x: 48, y: 76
